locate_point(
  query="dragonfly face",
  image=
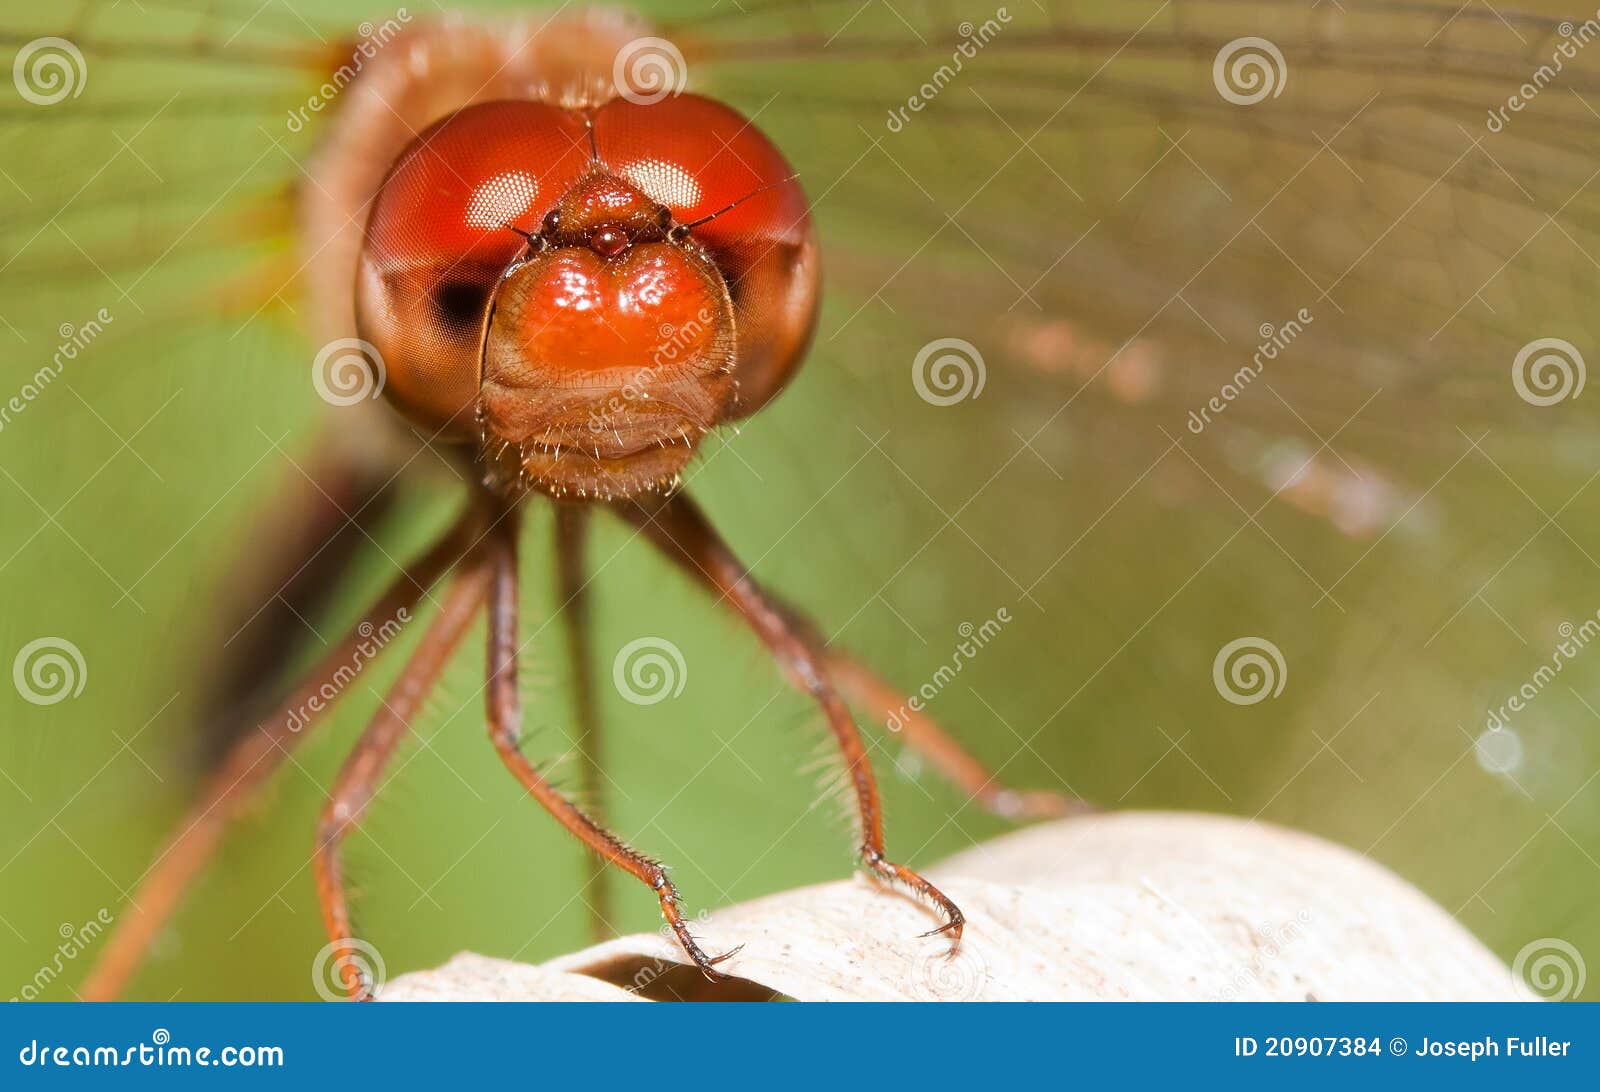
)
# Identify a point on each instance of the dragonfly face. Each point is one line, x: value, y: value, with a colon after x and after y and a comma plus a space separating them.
x: 610, y: 349
x: 586, y: 292
x: 1158, y: 337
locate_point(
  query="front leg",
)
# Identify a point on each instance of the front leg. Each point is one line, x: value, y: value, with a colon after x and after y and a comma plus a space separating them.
x: 359, y: 777
x: 678, y: 527
x: 866, y: 689
x: 505, y: 732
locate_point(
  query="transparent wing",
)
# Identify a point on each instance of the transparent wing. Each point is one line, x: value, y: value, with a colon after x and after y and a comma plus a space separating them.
x: 1092, y: 165
x: 1277, y: 319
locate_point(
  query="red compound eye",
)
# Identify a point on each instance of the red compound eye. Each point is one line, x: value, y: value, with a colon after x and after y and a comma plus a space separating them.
x: 439, y: 238
x: 698, y: 157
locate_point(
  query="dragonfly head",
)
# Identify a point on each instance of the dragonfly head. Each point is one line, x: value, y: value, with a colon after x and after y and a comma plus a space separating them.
x: 585, y: 293
x: 610, y: 347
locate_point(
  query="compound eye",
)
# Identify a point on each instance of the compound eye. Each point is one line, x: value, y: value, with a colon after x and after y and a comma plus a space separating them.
x: 698, y: 159
x: 440, y: 236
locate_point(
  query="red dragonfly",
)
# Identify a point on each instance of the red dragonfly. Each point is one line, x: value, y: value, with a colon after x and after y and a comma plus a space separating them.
x: 1309, y: 254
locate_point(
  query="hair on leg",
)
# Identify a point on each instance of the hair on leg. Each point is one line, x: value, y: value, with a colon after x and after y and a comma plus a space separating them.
x: 357, y: 782
x: 505, y: 732
x: 247, y: 766
x: 680, y: 529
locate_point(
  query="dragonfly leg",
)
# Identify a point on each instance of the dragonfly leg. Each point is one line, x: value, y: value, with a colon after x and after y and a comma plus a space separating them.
x: 358, y: 779
x: 866, y: 688
x: 505, y: 732
x: 572, y: 527
x: 678, y: 527
x: 249, y: 763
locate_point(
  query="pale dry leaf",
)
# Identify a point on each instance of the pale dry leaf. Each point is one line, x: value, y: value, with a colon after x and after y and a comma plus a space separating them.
x: 1127, y: 906
x: 479, y: 978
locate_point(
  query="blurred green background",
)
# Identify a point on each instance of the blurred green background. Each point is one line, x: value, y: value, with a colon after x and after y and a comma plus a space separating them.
x: 130, y: 484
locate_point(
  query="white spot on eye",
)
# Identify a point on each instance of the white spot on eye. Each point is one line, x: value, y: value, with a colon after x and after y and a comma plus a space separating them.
x: 665, y: 183
x: 501, y: 199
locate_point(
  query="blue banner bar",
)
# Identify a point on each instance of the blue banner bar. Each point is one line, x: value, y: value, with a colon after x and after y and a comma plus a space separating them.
x: 819, y: 1046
